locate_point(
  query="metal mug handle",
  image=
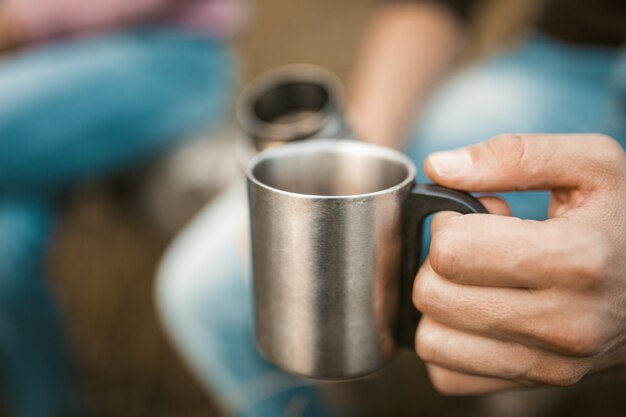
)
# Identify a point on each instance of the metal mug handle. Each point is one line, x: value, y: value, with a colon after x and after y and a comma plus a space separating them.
x: 425, y: 199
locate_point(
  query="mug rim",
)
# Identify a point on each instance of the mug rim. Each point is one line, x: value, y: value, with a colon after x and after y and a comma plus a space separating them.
x: 346, y: 145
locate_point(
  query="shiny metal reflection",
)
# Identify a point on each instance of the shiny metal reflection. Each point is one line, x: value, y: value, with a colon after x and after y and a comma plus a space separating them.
x: 291, y: 103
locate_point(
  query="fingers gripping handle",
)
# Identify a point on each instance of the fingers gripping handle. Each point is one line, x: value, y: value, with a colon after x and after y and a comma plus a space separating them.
x: 426, y: 199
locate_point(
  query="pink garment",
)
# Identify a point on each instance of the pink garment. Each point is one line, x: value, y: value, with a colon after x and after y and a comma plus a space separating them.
x: 52, y: 18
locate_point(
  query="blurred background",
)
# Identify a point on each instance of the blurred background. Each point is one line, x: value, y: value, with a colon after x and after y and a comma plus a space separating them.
x: 112, y: 234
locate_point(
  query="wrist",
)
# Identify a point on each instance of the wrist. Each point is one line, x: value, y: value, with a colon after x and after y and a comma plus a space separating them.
x: 11, y: 34
x: 374, y: 127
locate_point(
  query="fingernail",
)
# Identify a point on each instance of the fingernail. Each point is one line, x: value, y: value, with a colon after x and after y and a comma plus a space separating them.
x: 449, y: 163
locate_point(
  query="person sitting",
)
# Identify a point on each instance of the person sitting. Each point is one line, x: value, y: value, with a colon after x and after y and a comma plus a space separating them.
x: 87, y: 89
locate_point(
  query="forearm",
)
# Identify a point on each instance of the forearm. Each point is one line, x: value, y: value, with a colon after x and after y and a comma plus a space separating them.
x: 406, y: 49
x: 10, y: 31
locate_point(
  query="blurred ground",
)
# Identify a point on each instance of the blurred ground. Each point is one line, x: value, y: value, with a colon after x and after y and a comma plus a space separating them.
x: 105, y: 253
x: 103, y: 266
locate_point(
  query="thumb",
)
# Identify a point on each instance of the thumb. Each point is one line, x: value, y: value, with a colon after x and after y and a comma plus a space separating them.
x: 527, y: 162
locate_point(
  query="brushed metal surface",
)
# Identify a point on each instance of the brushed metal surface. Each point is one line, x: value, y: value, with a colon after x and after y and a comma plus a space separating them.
x: 326, y: 219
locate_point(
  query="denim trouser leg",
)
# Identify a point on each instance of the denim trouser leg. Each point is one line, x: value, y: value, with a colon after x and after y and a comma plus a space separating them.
x: 69, y: 112
x: 204, y: 300
x: 34, y: 370
x: 88, y: 107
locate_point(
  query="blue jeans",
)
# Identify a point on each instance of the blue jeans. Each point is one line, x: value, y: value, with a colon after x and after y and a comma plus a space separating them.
x: 68, y: 112
x: 203, y: 297
x: 205, y: 306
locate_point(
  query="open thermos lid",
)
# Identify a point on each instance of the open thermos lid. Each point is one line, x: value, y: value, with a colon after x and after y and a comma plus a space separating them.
x: 290, y: 103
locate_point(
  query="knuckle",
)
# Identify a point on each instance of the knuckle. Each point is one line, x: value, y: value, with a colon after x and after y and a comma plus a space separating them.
x: 426, y: 346
x: 580, y: 338
x: 424, y: 294
x: 591, y: 270
x: 611, y: 158
x: 443, y: 381
x: 509, y: 149
x: 443, y: 252
x: 610, y: 147
x: 586, y: 342
x: 559, y: 373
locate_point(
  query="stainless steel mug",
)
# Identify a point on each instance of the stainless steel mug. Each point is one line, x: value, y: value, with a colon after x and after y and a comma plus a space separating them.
x: 336, y: 231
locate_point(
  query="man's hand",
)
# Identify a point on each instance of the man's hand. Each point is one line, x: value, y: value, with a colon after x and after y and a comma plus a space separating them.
x: 511, y: 303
